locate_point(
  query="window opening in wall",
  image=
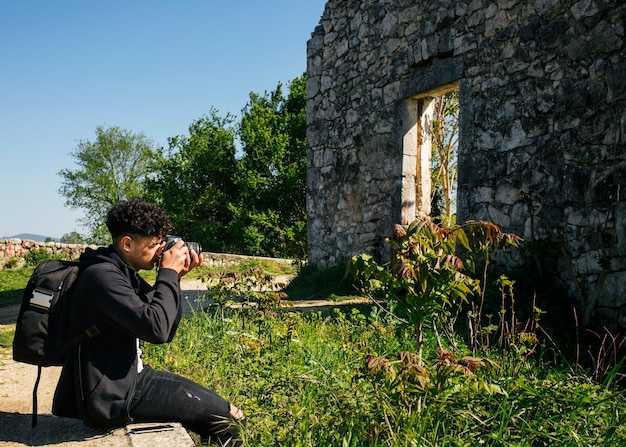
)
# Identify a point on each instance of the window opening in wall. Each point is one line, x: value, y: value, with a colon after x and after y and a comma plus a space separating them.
x: 430, y: 147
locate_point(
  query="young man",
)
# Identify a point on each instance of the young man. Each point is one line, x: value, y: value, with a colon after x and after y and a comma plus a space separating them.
x: 104, y: 381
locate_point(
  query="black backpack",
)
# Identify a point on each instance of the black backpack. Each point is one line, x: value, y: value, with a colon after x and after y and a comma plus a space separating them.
x: 41, y: 335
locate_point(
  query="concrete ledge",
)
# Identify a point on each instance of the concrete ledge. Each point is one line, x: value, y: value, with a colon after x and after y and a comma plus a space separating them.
x: 171, y: 434
x: 16, y: 431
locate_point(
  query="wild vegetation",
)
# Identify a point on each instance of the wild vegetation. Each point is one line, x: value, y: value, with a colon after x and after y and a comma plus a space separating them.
x: 351, y: 379
x: 401, y: 371
x: 407, y: 370
x: 418, y: 366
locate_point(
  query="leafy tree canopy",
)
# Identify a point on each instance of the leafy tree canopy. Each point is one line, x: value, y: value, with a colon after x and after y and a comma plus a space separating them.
x: 111, y: 168
x: 271, y: 175
x: 445, y: 138
x: 194, y: 183
x: 251, y: 204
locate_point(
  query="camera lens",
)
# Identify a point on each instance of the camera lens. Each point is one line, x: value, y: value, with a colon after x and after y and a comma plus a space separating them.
x: 195, y: 246
x: 171, y: 241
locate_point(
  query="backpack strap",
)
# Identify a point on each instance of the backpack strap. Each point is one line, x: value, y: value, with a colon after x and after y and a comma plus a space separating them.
x: 90, y: 332
x: 34, y: 418
x: 78, y: 384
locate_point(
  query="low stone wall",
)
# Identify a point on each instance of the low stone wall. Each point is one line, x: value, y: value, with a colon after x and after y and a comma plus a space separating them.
x: 18, y: 248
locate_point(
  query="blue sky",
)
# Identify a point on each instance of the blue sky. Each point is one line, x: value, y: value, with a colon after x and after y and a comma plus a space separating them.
x: 151, y: 66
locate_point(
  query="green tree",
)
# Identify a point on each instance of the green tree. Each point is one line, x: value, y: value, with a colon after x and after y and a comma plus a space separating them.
x: 194, y: 183
x: 445, y: 138
x: 270, y: 214
x: 111, y: 168
x: 72, y: 238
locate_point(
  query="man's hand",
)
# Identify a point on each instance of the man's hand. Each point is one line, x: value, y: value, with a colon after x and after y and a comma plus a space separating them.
x: 181, y: 259
x: 195, y: 260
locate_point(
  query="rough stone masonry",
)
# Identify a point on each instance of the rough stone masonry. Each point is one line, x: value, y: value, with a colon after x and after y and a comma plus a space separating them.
x: 542, y: 140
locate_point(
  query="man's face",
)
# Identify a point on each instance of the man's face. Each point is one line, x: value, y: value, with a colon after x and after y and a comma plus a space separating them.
x: 142, y: 252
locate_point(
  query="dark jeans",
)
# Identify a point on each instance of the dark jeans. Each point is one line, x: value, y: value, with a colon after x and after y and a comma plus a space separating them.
x: 165, y: 397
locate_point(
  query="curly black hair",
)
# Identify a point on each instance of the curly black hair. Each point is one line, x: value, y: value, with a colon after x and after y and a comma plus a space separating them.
x: 137, y: 217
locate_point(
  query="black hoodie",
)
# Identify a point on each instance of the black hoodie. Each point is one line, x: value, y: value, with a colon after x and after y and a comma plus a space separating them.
x: 98, y: 379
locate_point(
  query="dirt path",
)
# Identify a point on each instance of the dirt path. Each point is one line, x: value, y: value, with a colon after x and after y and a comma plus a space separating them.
x: 16, y: 388
x: 16, y: 385
x: 8, y: 314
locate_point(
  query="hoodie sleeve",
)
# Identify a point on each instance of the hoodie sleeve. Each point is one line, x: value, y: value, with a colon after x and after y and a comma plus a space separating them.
x: 118, y: 303
x: 167, y: 281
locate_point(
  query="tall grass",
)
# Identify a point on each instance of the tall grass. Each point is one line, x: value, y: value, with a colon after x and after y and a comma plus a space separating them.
x: 305, y: 380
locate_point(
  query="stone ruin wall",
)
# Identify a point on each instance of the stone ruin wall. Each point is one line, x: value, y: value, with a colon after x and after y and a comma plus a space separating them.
x: 542, y: 152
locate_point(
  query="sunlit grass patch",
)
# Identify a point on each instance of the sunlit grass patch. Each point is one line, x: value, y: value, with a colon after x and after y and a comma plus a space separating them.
x: 303, y: 380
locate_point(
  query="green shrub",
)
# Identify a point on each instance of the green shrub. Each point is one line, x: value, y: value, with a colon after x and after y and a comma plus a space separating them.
x: 36, y: 257
x: 317, y: 283
x: 427, y: 278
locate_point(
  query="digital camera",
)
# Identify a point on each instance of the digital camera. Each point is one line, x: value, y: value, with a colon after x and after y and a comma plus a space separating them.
x: 171, y: 240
